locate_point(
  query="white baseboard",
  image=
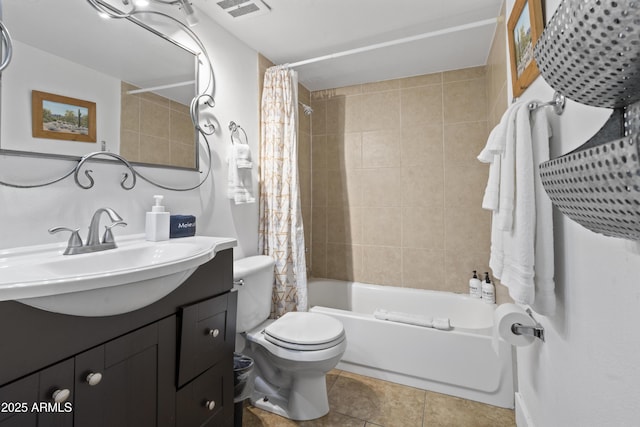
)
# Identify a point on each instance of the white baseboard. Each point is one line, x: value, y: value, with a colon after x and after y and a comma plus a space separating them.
x: 523, y: 419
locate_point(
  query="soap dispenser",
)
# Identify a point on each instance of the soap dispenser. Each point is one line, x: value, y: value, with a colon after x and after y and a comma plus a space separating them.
x: 488, y: 290
x: 475, y: 286
x: 157, y: 223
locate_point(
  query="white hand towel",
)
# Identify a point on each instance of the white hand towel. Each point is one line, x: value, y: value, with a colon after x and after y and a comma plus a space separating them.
x: 502, y: 218
x: 487, y: 153
x: 239, y: 180
x: 497, y: 140
x: 522, y: 226
x: 518, y: 242
x: 527, y: 250
x: 507, y: 170
x: 243, y: 156
x: 492, y: 153
x: 545, y: 299
x: 491, y: 199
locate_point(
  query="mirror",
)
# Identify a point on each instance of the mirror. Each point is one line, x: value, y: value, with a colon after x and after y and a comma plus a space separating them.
x: 64, y: 48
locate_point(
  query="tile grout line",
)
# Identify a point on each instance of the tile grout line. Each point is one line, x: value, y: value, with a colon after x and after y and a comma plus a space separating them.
x: 444, y: 189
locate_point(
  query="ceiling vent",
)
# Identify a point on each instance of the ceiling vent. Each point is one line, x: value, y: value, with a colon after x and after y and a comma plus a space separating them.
x: 244, y: 8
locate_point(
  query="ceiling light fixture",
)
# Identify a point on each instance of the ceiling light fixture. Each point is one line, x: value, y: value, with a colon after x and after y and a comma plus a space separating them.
x: 190, y: 15
x: 183, y: 5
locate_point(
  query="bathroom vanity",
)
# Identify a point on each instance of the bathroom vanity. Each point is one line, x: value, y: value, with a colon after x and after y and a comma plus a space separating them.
x: 167, y: 364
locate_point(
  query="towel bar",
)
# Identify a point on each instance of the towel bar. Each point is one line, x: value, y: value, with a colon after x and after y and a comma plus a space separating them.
x: 557, y: 103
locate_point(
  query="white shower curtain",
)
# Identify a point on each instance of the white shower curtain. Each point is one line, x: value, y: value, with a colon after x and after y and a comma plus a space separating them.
x: 281, y: 233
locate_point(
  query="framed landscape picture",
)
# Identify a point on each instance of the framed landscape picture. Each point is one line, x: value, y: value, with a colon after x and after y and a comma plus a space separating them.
x: 61, y: 117
x: 523, y: 29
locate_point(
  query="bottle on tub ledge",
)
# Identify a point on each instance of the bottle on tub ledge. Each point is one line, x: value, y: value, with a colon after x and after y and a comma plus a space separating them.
x: 475, y: 286
x: 488, y: 290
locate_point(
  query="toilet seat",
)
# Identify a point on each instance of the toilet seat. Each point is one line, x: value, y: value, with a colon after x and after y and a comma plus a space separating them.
x: 305, y: 331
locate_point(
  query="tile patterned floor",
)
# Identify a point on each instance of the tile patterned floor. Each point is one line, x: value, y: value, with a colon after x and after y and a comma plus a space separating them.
x: 359, y: 401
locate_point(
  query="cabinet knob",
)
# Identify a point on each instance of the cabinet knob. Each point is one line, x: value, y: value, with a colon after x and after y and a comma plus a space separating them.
x: 214, y: 332
x: 60, y: 396
x: 210, y: 404
x: 94, y: 378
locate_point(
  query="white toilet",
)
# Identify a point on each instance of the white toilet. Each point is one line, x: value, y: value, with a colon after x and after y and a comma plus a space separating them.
x: 292, y: 354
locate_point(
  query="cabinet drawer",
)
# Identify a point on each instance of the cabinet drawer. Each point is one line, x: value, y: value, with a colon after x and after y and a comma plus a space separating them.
x: 207, y: 335
x: 207, y: 400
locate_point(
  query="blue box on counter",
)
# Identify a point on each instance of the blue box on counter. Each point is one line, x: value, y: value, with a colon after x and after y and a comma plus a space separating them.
x: 182, y: 226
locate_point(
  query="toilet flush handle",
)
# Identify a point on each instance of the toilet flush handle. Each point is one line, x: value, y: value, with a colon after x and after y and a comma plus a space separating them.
x: 238, y: 282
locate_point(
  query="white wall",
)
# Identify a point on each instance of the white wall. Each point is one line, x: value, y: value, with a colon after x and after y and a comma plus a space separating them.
x: 587, y: 372
x: 34, y: 69
x: 26, y: 214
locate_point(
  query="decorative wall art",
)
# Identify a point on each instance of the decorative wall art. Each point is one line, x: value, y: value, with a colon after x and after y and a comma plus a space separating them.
x: 61, y: 117
x: 523, y: 29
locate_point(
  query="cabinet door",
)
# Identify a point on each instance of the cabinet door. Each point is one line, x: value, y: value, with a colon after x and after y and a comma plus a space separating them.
x: 15, y: 401
x: 43, y: 399
x: 55, y: 395
x: 117, y: 383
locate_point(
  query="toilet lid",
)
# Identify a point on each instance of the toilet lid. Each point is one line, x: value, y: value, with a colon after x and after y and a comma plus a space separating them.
x: 305, y: 331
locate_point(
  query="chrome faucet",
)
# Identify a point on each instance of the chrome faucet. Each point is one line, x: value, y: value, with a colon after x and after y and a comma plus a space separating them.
x: 93, y: 238
x: 94, y: 243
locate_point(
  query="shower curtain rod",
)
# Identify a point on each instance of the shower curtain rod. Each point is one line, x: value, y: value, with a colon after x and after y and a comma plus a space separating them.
x: 397, y: 41
x: 169, y: 86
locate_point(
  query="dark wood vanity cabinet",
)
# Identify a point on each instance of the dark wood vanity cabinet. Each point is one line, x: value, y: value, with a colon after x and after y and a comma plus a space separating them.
x: 168, y: 364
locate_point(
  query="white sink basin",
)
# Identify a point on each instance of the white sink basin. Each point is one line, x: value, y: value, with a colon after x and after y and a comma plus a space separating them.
x: 135, y: 274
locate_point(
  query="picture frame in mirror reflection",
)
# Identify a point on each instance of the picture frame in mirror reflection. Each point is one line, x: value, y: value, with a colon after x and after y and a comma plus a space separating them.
x: 61, y: 117
x: 524, y: 27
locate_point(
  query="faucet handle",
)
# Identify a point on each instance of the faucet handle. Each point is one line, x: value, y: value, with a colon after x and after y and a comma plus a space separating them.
x: 75, y: 241
x: 108, y: 234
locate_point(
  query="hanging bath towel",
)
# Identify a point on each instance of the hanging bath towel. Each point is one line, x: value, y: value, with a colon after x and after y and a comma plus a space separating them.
x: 522, y: 226
x: 239, y: 179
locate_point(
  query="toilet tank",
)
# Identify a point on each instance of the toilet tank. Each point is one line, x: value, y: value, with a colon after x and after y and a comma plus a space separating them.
x: 254, y: 295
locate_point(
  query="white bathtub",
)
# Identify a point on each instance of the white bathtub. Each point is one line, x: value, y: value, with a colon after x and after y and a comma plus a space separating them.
x: 459, y: 362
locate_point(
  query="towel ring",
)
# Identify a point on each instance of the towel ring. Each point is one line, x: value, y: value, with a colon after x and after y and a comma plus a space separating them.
x: 233, y: 127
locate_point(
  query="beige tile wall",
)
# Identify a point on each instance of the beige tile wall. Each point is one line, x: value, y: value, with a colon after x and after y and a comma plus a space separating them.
x: 396, y: 185
x: 390, y: 185
x: 156, y: 130
x: 497, y: 99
